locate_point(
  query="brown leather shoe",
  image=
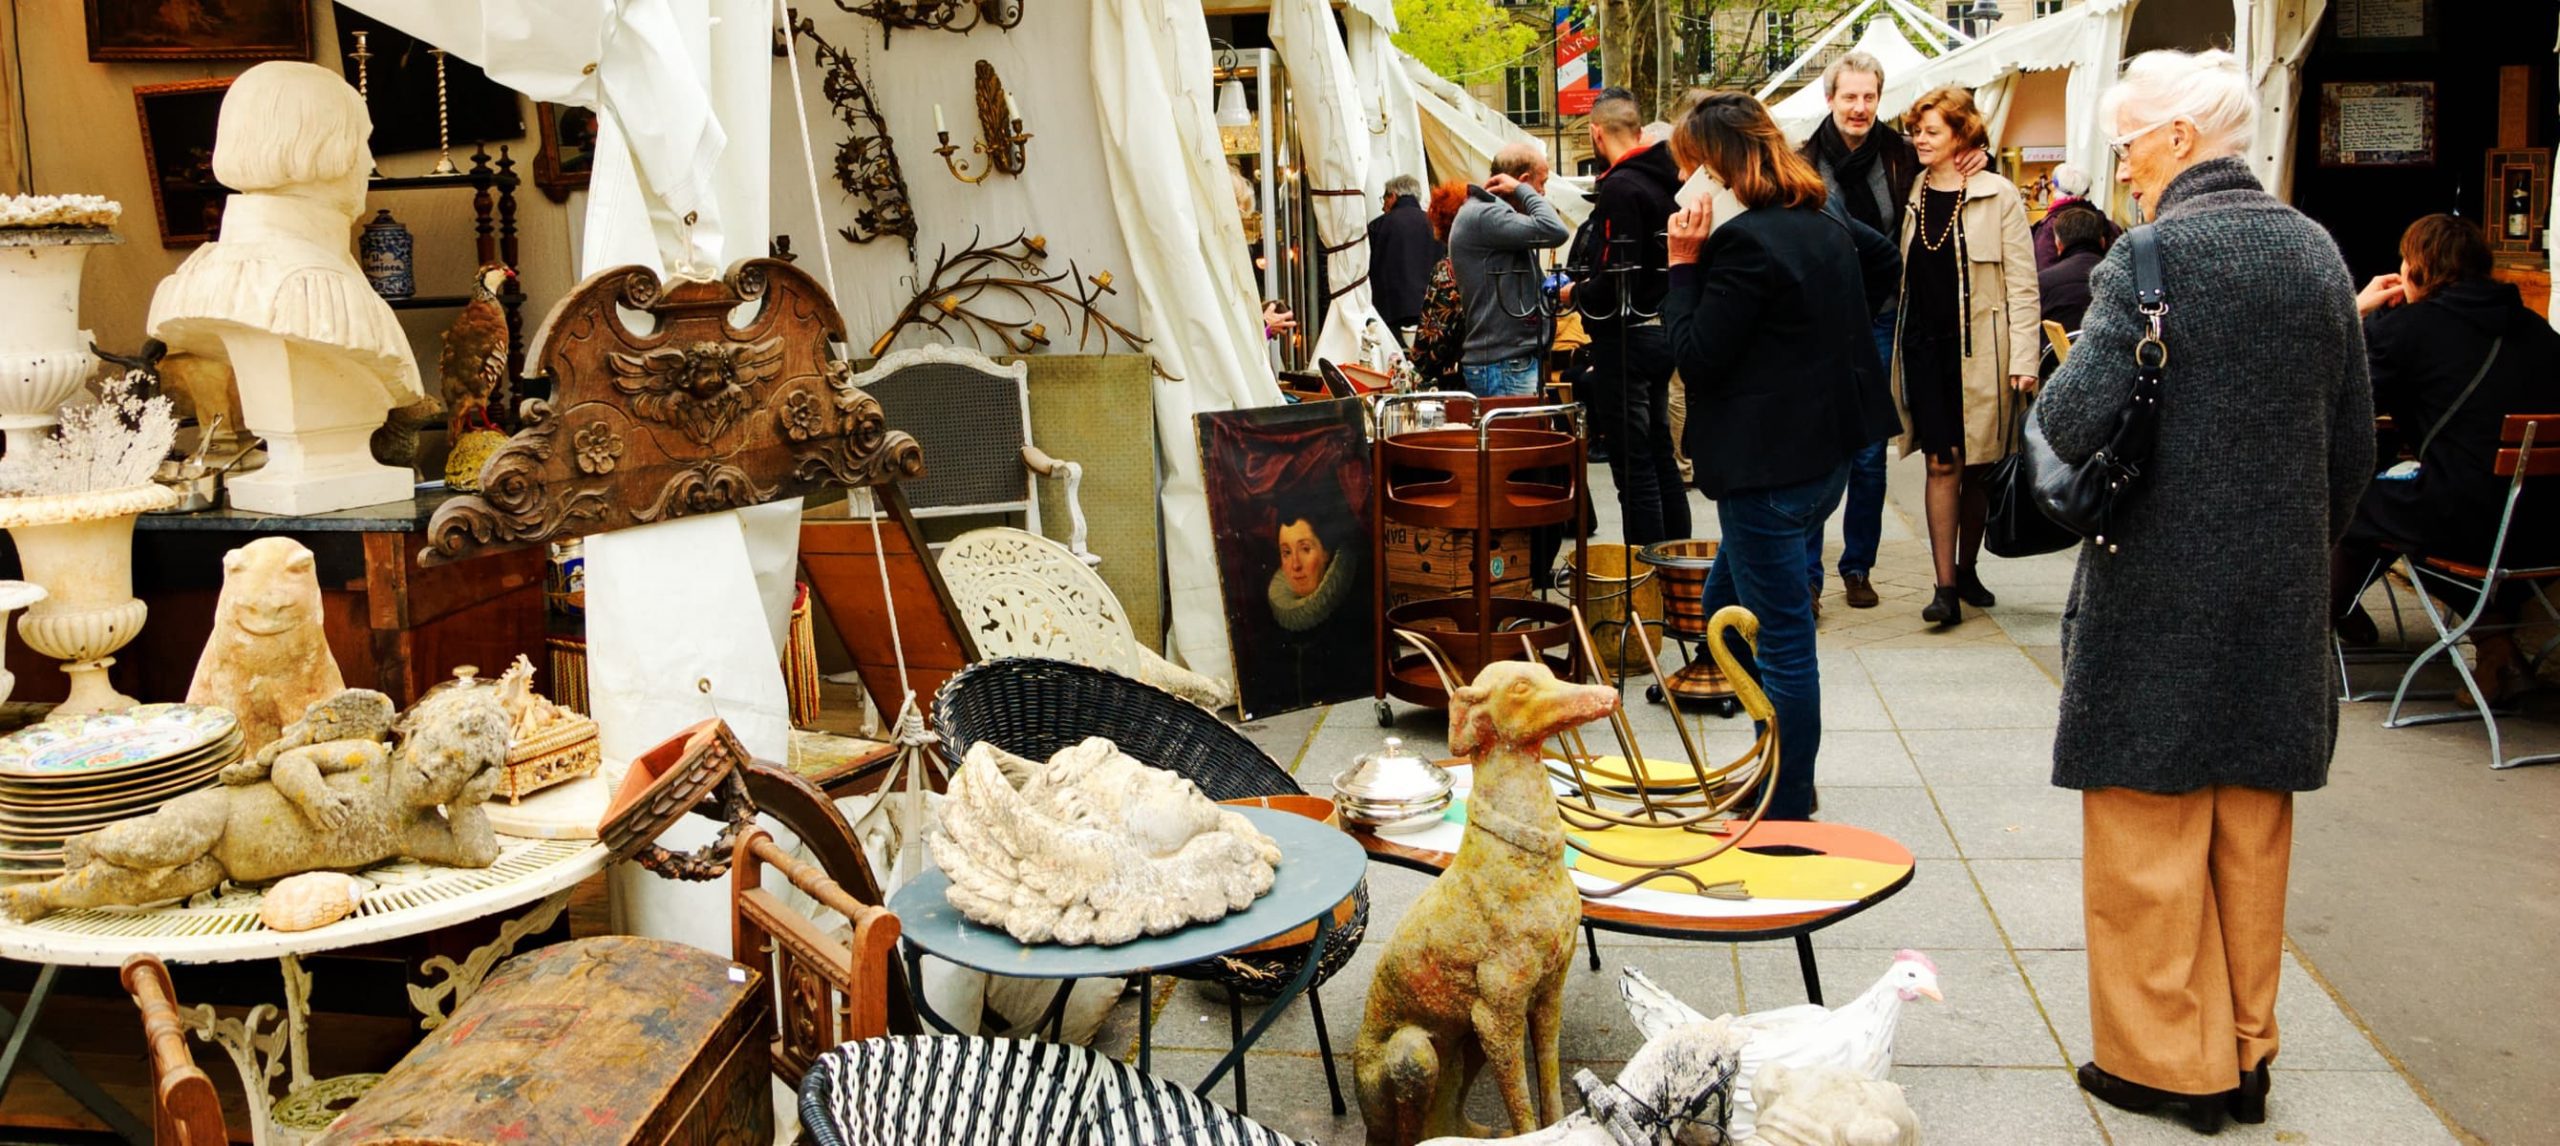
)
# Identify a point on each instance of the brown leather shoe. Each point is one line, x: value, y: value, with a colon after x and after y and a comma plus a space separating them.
x: 1859, y: 593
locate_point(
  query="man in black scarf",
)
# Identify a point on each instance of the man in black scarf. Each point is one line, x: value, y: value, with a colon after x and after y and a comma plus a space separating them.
x: 1869, y: 169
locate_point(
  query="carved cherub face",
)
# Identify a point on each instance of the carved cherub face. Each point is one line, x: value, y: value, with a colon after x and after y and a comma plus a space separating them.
x: 448, y: 740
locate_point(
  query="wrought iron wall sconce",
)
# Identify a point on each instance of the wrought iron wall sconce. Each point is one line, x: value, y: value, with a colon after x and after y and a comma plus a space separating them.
x: 866, y: 161
x: 961, y: 285
x: 946, y: 15
x: 1000, y: 135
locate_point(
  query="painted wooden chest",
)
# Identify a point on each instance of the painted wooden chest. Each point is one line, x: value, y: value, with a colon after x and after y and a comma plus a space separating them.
x: 594, y: 1042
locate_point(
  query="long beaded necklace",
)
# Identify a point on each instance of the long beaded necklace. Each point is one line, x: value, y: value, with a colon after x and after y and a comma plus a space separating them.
x: 1945, y: 233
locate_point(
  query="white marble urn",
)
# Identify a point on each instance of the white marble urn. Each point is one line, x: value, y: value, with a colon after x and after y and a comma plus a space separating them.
x: 44, y: 355
x: 79, y: 547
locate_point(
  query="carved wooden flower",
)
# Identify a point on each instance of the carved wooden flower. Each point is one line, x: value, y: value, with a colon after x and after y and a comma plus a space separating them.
x: 599, y: 448
x: 802, y: 416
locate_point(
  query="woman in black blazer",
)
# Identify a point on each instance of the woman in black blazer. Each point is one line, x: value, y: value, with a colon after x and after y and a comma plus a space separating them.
x: 1769, y: 320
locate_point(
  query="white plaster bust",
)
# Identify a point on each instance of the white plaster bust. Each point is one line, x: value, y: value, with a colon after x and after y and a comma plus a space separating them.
x: 319, y: 356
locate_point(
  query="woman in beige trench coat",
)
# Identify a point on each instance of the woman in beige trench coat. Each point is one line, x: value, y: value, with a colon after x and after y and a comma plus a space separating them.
x: 1965, y: 352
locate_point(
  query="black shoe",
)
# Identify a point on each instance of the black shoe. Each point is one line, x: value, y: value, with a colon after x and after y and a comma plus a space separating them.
x: 2201, y: 1113
x: 2249, y: 1103
x: 1945, y: 610
x: 1970, y: 587
x: 2356, y: 630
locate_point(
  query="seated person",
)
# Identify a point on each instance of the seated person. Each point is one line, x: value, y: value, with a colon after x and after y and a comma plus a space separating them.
x: 2079, y: 239
x: 2429, y: 332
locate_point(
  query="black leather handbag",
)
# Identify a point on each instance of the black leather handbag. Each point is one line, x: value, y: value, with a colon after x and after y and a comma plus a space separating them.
x: 2016, y: 526
x: 2085, y: 498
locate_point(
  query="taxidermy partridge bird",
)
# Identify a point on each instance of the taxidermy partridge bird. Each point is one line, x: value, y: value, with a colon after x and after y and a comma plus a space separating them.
x: 1857, y: 1037
x: 474, y: 366
x: 474, y: 363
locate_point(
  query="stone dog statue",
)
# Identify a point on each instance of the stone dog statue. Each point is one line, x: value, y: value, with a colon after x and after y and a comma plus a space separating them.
x: 1476, y: 971
x: 340, y: 804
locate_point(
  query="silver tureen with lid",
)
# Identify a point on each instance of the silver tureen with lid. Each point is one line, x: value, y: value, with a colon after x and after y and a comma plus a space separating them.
x: 1392, y: 790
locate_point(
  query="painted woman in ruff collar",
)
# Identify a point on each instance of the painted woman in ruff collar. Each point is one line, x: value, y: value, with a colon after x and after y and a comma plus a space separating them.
x: 1317, y: 595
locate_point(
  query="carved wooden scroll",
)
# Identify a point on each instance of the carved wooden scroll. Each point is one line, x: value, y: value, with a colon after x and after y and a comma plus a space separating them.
x: 691, y: 415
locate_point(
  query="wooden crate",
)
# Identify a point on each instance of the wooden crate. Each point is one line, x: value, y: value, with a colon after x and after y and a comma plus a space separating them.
x: 1424, y: 562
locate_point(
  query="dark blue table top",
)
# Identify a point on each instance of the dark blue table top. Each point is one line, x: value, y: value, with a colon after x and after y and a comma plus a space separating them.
x: 1319, y: 865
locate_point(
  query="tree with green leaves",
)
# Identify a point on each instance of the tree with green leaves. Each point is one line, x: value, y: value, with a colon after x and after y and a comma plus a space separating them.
x: 1462, y: 40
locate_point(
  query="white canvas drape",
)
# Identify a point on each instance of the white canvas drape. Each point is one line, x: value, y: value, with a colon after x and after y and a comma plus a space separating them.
x: 1460, y: 135
x: 2279, y: 35
x: 1393, y: 122
x: 1333, y: 148
x: 1176, y: 209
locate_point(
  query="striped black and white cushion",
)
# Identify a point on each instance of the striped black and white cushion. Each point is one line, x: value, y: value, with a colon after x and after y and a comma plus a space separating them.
x: 947, y: 1090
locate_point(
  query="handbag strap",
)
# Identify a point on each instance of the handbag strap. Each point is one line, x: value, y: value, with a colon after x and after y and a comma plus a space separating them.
x: 2495, y: 345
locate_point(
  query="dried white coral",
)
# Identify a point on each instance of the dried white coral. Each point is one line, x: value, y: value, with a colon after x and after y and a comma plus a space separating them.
x: 1092, y: 847
x: 29, y: 211
x: 113, y: 444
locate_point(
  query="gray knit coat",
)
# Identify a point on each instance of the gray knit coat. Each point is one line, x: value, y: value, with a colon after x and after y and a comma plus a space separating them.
x: 2199, y: 655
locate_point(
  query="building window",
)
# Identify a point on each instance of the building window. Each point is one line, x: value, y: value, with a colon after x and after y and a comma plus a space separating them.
x: 1782, y: 40
x: 2048, y: 7
x: 1959, y: 15
x: 1524, y: 95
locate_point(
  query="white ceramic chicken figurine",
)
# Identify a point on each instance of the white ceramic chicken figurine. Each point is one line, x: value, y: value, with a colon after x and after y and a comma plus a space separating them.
x: 1857, y: 1037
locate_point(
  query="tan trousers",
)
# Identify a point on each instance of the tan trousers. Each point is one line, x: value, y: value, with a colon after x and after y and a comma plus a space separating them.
x: 1679, y: 423
x: 2184, y: 899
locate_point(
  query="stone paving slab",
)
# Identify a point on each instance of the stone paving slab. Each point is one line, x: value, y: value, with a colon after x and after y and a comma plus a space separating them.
x: 1943, y: 740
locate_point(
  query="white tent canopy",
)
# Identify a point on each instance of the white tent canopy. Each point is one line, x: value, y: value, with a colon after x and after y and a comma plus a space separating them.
x: 1460, y: 135
x: 1334, y: 144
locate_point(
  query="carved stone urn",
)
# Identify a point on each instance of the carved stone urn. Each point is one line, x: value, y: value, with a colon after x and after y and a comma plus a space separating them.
x: 14, y: 595
x: 44, y: 355
x: 79, y: 548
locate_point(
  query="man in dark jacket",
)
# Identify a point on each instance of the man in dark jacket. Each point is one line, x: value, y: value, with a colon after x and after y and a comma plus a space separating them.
x: 1621, y: 269
x: 1402, y: 254
x: 2080, y: 239
x: 1868, y: 168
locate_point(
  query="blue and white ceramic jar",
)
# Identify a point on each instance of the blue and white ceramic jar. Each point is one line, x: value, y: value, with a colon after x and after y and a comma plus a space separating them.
x: 386, y: 250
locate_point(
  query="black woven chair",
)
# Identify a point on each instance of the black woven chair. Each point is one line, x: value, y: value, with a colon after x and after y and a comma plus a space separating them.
x: 1034, y: 707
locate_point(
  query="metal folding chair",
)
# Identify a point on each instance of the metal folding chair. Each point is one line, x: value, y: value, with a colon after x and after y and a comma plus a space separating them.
x: 2516, y: 461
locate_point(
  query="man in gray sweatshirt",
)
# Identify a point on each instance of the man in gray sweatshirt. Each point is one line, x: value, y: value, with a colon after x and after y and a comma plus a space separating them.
x: 1493, y: 245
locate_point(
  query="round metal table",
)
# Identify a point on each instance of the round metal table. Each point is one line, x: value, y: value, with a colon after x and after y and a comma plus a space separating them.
x: 222, y: 926
x: 1319, y: 867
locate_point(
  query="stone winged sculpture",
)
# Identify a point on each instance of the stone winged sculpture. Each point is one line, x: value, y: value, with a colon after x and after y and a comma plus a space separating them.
x: 335, y: 797
x: 1092, y: 846
x: 320, y: 358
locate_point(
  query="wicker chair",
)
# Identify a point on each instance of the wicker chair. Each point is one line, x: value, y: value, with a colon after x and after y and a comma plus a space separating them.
x: 1033, y: 707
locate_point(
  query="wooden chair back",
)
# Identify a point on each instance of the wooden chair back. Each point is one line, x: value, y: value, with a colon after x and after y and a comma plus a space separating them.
x: 812, y: 815
x: 2059, y: 339
x: 830, y: 992
x: 184, y: 1109
x: 2521, y: 432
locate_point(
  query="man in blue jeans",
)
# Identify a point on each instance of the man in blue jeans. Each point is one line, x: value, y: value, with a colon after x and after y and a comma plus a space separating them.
x: 1493, y: 250
x: 1762, y: 530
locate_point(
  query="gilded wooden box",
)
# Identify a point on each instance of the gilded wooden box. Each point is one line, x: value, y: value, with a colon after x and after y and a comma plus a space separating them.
x: 595, y: 1042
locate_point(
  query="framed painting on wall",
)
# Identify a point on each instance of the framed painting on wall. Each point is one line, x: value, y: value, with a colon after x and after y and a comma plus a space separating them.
x: 1289, y: 523
x: 199, y: 29
x: 568, y: 154
x: 2519, y: 190
x: 2382, y: 25
x: 2378, y: 125
x: 177, y: 148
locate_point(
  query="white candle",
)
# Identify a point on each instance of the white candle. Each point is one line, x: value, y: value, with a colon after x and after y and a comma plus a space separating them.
x: 938, y: 128
x: 1012, y: 108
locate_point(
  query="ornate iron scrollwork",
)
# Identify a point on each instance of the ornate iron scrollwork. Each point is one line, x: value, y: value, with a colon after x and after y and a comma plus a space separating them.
x: 945, y: 15
x: 957, y: 291
x: 866, y: 159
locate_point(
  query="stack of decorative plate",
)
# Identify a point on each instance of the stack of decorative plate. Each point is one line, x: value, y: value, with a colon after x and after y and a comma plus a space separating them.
x: 64, y: 777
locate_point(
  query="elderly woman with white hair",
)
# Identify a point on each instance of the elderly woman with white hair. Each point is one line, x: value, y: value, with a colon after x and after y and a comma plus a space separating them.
x: 2197, y: 694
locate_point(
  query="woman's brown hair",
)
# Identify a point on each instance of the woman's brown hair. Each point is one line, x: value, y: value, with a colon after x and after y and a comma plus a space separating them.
x: 1732, y: 135
x: 2442, y: 249
x: 1443, y: 209
x: 1954, y: 105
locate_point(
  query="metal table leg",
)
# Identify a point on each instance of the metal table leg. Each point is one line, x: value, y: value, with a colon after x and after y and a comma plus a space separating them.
x: 57, y: 1066
x: 1146, y: 1020
x: 915, y: 988
x: 1812, y: 974
x: 1280, y: 1002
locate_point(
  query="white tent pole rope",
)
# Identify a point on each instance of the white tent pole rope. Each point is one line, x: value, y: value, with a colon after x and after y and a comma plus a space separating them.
x: 1927, y: 20
x: 808, y: 155
x: 1828, y: 34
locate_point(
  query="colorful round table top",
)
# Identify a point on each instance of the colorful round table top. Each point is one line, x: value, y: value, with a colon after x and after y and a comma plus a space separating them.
x: 1319, y: 866
x: 1799, y: 876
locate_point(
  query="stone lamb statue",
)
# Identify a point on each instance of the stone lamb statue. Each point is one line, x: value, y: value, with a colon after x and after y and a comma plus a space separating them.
x: 333, y: 805
x: 320, y: 358
x: 268, y: 658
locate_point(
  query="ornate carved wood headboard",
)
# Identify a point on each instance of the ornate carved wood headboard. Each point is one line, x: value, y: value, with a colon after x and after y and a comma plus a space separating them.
x: 692, y: 414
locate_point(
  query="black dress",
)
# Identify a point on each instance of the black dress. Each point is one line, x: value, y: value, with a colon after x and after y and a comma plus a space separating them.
x: 1933, y: 324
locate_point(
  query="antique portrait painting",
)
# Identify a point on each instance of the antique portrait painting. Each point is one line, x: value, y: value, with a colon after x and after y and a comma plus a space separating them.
x: 568, y: 155
x: 1289, y: 514
x: 199, y: 29
x: 177, y: 145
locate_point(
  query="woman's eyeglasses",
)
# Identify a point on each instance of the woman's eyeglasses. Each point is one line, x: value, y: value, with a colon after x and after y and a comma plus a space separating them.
x: 2123, y: 144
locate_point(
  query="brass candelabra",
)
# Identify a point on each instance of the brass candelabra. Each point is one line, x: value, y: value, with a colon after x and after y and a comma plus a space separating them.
x: 1000, y: 135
